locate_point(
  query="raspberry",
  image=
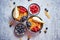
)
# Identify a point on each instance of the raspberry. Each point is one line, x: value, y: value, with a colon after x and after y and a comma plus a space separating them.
x: 34, y: 8
x: 22, y: 9
x: 35, y: 29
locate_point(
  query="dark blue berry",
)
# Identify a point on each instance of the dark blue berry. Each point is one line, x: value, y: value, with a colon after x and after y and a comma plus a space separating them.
x: 46, y: 28
x: 28, y: 0
x: 23, y: 18
x: 20, y: 28
x: 28, y: 24
x: 14, y: 3
x: 46, y: 10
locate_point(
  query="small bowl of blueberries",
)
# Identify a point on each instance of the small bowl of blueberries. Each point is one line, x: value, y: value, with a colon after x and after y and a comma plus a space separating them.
x: 19, y: 30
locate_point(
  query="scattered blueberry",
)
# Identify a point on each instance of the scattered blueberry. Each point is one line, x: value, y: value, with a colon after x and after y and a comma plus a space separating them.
x: 14, y: 3
x: 28, y: 0
x: 46, y: 10
x: 46, y: 28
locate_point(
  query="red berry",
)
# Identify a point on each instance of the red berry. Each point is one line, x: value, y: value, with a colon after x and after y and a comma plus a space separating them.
x: 35, y: 29
x: 34, y: 8
x: 22, y: 9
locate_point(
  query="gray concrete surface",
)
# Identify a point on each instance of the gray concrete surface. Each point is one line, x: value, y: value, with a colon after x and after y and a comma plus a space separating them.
x: 53, y: 24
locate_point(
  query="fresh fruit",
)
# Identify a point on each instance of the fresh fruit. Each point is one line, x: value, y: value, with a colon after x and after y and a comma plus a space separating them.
x: 34, y: 8
x: 47, y: 13
x: 35, y: 29
x: 16, y: 13
x: 23, y: 18
x: 35, y: 26
x: 46, y: 28
x: 19, y: 12
x: 36, y: 19
x: 46, y: 10
x: 14, y: 3
x: 19, y: 29
x: 22, y: 9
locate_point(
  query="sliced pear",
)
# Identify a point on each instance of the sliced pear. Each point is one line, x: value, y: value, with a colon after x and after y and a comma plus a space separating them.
x: 16, y: 13
x: 47, y: 14
x: 37, y: 19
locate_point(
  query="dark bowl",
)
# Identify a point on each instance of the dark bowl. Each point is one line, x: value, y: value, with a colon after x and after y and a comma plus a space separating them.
x: 18, y: 28
x: 39, y: 29
x: 21, y: 18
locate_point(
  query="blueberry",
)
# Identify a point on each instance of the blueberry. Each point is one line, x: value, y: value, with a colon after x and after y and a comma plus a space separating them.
x: 23, y: 18
x: 28, y: 24
x: 46, y: 28
x: 19, y: 31
x: 28, y: 0
x: 14, y: 3
x: 46, y: 10
x: 16, y: 28
x: 20, y: 28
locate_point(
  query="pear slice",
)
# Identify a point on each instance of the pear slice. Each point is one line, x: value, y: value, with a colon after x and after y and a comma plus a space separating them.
x: 47, y: 14
x: 37, y: 19
x: 16, y: 13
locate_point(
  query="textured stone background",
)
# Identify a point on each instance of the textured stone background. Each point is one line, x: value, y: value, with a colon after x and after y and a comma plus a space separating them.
x: 53, y: 24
